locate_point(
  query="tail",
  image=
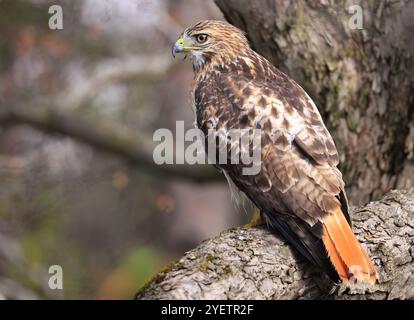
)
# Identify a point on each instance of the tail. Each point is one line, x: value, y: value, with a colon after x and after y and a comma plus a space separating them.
x: 346, y: 254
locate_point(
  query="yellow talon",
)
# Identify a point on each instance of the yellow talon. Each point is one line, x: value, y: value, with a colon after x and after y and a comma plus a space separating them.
x: 257, y: 219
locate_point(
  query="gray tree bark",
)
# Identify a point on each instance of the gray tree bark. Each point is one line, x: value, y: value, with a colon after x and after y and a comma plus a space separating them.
x: 361, y: 80
x: 253, y: 263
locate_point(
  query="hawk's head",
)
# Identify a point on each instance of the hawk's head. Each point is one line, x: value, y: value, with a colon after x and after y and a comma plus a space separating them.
x: 211, y: 40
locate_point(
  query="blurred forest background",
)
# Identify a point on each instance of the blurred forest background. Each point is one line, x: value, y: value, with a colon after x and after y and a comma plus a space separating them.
x: 109, y: 220
x: 79, y: 106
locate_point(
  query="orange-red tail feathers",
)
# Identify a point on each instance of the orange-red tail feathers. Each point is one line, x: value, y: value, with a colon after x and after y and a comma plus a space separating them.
x: 346, y: 254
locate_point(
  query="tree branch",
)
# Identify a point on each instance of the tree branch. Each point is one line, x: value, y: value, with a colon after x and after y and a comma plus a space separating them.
x: 109, y: 71
x: 253, y: 263
x: 105, y: 137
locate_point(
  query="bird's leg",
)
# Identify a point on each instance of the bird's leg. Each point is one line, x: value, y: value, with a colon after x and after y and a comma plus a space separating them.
x: 257, y: 219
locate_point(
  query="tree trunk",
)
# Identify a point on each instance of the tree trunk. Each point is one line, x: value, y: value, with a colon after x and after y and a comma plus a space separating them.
x: 361, y: 80
x: 253, y: 263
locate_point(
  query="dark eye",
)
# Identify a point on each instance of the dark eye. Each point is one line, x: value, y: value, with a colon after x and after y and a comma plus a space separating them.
x: 201, y: 38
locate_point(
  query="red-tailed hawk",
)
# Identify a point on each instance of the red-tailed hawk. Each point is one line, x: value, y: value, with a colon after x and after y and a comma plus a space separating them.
x: 299, y: 190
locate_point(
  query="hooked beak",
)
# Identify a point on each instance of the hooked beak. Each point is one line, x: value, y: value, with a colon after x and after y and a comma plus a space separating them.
x: 180, y: 47
x: 177, y: 48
